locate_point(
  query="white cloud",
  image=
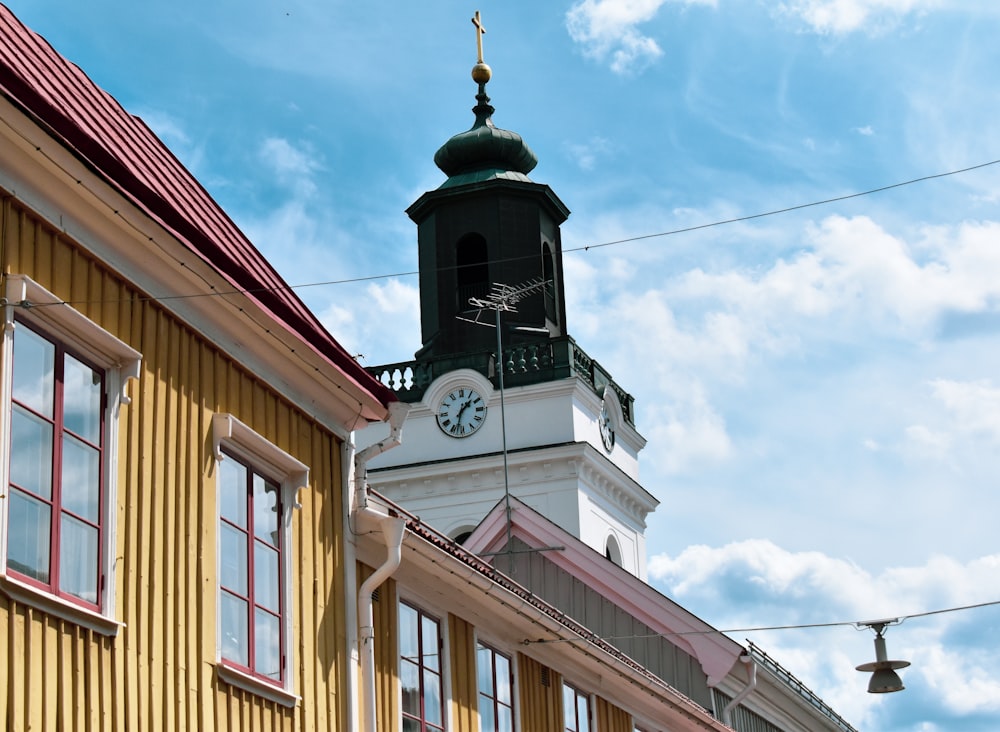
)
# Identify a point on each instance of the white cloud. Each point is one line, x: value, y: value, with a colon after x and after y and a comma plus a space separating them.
x: 608, y: 30
x: 694, y: 338
x: 292, y: 166
x: 845, y: 16
x: 376, y: 320
x: 587, y: 153
x: 759, y: 568
x: 856, y: 268
x: 928, y: 443
x: 687, y: 431
x: 975, y: 406
x: 755, y: 583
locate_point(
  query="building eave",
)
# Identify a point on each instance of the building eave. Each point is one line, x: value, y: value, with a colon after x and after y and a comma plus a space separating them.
x: 88, y: 209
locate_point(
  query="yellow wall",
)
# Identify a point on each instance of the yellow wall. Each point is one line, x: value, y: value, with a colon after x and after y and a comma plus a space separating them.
x: 464, y: 682
x: 540, y: 695
x: 612, y: 719
x: 159, y: 673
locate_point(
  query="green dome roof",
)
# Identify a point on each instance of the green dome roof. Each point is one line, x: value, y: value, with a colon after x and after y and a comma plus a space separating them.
x: 485, y: 151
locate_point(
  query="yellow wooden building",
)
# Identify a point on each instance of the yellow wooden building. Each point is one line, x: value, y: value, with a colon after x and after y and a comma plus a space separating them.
x: 174, y: 429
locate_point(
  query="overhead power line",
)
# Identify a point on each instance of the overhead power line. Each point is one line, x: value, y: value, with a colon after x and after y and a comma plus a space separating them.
x: 859, y: 624
x: 588, y: 247
x: 787, y: 209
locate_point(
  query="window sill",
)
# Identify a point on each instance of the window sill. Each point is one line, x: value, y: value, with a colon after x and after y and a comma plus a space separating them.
x: 234, y: 677
x: 62, y: 609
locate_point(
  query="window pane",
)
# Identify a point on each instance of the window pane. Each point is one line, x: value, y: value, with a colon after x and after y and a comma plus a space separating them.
x: 581, y: 713
x: 233, y: 491
x: 432, y: 697
x: 81, y: 477
x: 484, y: 670
x: 267, y: 645
x: 233, y: 624
x: 28, y: 536
x: 82, y: 400
x: 411, y: 725
x: 503, y: 679
x: 31, y: 453
x: 505, y: 719
x: 486, y: 721
x: 78, y: 559
x: 266, y: 590
x: 34, y: 370
x: 430, y: 639
x: 569, y: 707
x: 233, y: 559
x: 409, y: 681
x: 408, y: 633
x: 266, y: 512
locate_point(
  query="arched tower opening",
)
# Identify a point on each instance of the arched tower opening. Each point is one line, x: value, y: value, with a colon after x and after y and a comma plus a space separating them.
x: 472, y: 269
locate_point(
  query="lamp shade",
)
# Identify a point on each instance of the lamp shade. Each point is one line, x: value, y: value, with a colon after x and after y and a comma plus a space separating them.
x: 884, y: 680
x: 884, y: 677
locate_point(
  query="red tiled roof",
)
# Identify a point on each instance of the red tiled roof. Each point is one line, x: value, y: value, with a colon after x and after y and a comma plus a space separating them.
x: 122, y: 150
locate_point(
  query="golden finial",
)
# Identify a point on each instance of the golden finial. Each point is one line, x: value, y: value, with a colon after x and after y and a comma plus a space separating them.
x: 481, y: 73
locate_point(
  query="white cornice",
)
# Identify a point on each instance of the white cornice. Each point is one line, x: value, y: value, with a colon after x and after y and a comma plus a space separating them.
x: 578, y: 461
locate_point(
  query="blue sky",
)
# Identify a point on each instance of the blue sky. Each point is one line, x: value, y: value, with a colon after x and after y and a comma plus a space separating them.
x: 820, y: 389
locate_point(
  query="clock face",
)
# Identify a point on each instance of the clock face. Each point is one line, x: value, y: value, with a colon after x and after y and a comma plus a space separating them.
x: 607, y: 429
x: 462, y: 411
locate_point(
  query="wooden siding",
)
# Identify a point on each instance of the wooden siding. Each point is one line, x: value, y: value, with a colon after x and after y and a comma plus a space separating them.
x: 158, y: 673
x: 633, y: 638
x: 540, y: 695
x: 464, y: 681
x: 612, y: 719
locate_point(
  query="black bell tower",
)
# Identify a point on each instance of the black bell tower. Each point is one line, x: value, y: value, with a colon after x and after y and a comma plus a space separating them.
x: 487, y: 224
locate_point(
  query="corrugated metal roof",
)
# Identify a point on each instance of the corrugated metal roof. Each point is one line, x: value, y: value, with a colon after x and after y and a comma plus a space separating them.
x: 122, y: 150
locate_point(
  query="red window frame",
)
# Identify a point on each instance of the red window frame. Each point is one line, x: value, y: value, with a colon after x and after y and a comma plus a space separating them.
x: 491, y: 696
x: 573, y: 699
x: 55, y: 503
x: 425, y: 672
x: 251, y: 597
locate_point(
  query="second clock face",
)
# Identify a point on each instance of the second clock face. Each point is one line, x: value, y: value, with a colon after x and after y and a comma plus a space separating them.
x: 461, y: 412
x: 607, y: 428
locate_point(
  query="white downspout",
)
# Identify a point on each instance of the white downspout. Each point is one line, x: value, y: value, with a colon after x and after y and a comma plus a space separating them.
x: 393, y: 531
x: 397, y: 415
x: 727, y: 713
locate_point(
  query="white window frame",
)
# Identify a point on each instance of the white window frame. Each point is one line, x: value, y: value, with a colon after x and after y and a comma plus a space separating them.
x: 231, y: 435
x: 120, y: 362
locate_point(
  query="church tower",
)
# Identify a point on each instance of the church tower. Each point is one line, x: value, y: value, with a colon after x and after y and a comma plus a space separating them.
x: 544, y: 422
x: 487, y: 223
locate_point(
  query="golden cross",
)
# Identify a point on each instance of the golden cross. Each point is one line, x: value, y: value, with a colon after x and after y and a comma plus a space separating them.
x: 480, y: 30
